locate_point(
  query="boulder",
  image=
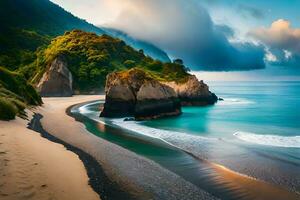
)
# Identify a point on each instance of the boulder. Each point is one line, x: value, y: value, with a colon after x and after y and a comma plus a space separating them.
x: 57, y: 80
x: 134, y: 93
x: 193, y: 92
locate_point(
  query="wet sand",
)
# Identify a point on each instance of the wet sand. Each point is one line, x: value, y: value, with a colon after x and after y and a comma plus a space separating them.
x: 249, y: 188
x: 32, y: 167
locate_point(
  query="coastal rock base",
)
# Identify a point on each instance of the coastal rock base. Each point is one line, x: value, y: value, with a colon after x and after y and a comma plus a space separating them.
x: 134, y: 93
x: 114, y: 108
x: 152, y: 109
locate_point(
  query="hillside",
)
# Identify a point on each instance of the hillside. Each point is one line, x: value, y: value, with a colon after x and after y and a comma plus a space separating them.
x: 28, y: 25
x: 90, y: 58
x: 42, y: 16
x: 27, y: 28
x: 15, y: 94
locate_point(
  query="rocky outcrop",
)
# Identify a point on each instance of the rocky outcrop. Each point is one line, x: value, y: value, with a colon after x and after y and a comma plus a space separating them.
x: 57, y: 80
x: 193, y: 92
x: 134, y: 93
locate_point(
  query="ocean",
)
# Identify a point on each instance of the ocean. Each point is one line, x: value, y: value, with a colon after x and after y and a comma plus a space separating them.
x: 254, y: 132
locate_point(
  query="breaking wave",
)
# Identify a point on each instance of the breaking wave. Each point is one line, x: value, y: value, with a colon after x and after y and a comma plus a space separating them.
x: 269, y: 140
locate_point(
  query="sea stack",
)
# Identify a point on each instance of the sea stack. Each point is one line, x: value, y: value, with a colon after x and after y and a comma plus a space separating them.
x: 193, y: 92
x: 57, y: 80
x: 135, y: 93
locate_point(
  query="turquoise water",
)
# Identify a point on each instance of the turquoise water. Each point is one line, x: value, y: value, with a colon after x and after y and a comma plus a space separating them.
x: 255, y: 131
x: 268, y: 108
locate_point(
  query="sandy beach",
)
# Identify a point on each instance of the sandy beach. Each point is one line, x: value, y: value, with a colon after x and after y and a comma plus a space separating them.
x: 66, y: 161
x: 139, y: 177
x: 32, y: 167
x: 35, y: 167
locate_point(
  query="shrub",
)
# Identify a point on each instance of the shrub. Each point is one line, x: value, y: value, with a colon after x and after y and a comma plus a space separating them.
x: 155, y: 66
x: 178, y: 61
x: 8, y: 110
x: 129, y: 63
x: 17, y: 84
x: 15, y: 95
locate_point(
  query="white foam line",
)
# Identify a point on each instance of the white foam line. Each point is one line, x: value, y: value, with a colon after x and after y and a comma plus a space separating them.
x: 173, y: 138
x: 269, y: 140
x: 84, y: 109
x: 166, y: 135
x: 235, y: 101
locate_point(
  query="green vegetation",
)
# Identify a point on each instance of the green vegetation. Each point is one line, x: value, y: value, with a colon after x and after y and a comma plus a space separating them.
x: 8, y: 110
x: 91, y: 57
x: 28, y: 25
x: 30, y: 41
x: 41, y: 16
x: 15, y: 94
x: 17, y: 47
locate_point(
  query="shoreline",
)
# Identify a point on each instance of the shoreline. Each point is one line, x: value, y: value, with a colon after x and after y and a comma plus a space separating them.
x: 98, y: 180
x: 112, y: 171
x: 237, y: 181
x: 32, y: 167
x: 140, y: 177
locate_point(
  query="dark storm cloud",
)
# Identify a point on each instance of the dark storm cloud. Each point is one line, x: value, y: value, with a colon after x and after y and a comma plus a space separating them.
x: 186, y: 30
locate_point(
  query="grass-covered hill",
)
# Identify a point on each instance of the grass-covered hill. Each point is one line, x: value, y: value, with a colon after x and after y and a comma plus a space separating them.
x: 91, y: 57
x: 27, y: 25
x: 15, y: 94
x: 27, y: 28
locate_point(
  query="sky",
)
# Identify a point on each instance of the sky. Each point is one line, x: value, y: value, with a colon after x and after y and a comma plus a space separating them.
x: 213, y: 35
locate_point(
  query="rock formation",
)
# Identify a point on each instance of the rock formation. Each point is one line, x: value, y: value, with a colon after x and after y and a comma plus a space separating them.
x: 193, y: 92
x: 135, y: 93
x: 57, y: 80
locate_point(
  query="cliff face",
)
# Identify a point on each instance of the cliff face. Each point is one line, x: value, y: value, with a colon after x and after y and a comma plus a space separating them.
x: 134, y: 93
x: 57, y: 81
x: 193, y: 92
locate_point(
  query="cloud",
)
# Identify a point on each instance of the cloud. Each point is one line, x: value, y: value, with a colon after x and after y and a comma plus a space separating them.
x: 185, y: 30
x: 226, y: 30
x: 282, y: 42
x: 251, y: 11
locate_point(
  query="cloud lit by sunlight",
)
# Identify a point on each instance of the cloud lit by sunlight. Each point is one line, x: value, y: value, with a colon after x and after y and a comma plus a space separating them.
x: 282, y: 40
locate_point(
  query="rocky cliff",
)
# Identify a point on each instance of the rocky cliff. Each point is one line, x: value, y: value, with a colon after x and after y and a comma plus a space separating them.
x: 57, y: 80
x: 193, y: 92
x: 135, y: 93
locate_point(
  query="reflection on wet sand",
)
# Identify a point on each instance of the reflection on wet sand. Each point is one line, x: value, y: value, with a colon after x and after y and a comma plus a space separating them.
x: 245, y: 187
x: 101, y: 127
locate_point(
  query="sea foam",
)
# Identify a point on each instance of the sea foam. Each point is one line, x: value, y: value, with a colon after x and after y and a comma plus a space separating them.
x: 182, y: 140
x: 185, y: 141
x: 269, y: 140
x: 235, y: 101
x: 154, y: 132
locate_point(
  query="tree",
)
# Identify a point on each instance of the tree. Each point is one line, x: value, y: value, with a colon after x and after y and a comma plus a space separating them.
x: 178, y: 61
x: 141, y: 51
